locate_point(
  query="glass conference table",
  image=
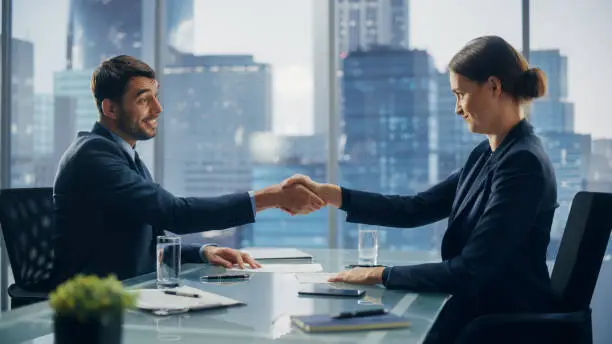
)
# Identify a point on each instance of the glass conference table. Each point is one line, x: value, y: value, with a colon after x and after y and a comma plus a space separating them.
x: 271, y: 298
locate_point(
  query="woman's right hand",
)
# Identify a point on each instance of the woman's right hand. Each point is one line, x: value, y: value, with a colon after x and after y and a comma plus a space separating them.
x: 331, y: 194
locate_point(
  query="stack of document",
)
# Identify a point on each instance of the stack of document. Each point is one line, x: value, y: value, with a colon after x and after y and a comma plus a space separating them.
x: 157, y: 299
x: 262, y: 253
x: 283, y: 268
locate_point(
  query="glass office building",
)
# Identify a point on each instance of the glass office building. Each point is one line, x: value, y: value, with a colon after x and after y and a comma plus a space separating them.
x: 389, y: 97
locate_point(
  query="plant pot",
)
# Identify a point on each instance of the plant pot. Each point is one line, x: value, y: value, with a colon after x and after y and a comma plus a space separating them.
x: 103, y: 329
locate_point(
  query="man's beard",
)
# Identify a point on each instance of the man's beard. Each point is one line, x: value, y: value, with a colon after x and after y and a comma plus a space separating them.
x: 131, y: 127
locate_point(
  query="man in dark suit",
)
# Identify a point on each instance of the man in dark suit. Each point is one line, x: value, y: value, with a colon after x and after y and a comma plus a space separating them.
x: 109, y: 210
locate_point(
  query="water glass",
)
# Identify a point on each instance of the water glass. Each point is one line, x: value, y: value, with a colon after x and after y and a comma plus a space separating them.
x: 168, y: 261
x: 368, y: 245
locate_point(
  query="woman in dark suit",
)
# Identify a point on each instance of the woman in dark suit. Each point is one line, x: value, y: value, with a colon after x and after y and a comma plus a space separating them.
x: 500, y: 205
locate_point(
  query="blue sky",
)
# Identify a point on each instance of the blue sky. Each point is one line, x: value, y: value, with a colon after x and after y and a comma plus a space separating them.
x: 280, y: 32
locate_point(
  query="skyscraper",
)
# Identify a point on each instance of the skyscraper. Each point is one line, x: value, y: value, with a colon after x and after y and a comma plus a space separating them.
x: 389, y: 98
x: 180, y: 30
x: 553, y: 112
x: 275, y: 158
x: 366, y: 23
x: 22, y: 110
x: 74, y: 84
x: 98, y: 30
x: 553, y: 118
x: 360, y: 24
x: 570, y: 155
x: 43, y: 124
x: 212, y: 105
x: 600, y: 172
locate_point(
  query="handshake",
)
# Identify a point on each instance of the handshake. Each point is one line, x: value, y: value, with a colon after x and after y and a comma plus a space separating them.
x: 298, y: 195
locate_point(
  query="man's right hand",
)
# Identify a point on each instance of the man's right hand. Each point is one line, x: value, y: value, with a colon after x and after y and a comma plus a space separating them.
x: 295, y: 199
x: 329, y: 193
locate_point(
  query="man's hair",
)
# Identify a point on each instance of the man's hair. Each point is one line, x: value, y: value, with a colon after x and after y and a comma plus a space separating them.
x: 110, y: 80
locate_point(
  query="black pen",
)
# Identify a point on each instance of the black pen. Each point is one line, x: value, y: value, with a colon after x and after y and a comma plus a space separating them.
x: 238, y: 276
x: 351, y: 266
x: 346, y: 315
x: 178, y: 293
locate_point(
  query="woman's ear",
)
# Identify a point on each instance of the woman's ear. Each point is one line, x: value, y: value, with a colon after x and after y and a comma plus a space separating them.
x: 494, y: 85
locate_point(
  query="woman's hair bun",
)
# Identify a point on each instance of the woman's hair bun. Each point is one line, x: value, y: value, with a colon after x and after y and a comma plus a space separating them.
x: 530, y: 84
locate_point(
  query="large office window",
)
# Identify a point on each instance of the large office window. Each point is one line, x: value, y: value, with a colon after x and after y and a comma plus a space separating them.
x: 56, y: 44
x: 400, y: 132
x: 56, y: 47
x: 573, y: 118
x: 237, y: 91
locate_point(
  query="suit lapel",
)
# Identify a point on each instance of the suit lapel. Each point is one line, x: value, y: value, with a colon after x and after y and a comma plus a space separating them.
x: 474, y: 188
x: 98, y: 129
x: 521, y: 130
x: 464, y: 187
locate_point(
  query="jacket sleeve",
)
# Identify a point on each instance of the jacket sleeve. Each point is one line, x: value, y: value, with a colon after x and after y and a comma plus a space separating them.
x: 516, y: 193
x: 401, y: 211
x: 110, y: 181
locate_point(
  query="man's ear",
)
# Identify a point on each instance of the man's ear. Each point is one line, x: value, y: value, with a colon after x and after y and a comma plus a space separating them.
x: 109, y: 108
x: 495, y: 86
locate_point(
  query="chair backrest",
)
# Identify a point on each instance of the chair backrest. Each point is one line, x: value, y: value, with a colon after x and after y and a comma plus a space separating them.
x: 26, y: 219
x: 582, y: 250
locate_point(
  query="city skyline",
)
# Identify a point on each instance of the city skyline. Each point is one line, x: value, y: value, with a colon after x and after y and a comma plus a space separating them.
x: 292, y: 63
x: 399, y: 132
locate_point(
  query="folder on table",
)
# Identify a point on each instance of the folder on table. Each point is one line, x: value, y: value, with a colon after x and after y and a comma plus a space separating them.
x: 262, y: 253
x: 327, y: 323
x: 155, y: 299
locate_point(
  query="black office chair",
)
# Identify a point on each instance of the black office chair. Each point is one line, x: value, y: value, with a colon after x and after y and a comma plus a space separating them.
x: 573, y: 278
x: 26, y: 219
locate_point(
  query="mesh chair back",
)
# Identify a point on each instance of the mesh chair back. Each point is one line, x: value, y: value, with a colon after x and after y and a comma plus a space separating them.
x: 26, y: 218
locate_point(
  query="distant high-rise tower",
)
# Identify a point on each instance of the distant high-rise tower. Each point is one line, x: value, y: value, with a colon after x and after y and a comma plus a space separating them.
x: 553, y: 118
x: 389, y: 98
x: 98, y: 30
x: 553, y: 112
x: 215, y: 104
x: 22, y: 107
x: 365, y: 23
x: 360, y: 24
x: 275, y: 158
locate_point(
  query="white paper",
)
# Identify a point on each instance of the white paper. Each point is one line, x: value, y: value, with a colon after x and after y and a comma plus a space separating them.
x: 276, y: 253
x: 317, y: 277
x: 156, y: 299
x: 285, y: 268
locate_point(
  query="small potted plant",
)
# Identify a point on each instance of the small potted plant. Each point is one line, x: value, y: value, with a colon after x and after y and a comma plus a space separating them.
x: 89, y: 309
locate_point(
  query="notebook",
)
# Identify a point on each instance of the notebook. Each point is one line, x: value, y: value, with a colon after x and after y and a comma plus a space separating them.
x: 325, y: 323
x: 155, y: 299
x: 261, y: 253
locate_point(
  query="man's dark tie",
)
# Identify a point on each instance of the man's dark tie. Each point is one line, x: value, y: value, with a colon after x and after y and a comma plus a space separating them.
x: 142, y: 169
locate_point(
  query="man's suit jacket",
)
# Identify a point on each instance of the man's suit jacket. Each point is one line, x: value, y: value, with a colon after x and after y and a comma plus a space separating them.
x: 108, y: 214
x: 500, y: 207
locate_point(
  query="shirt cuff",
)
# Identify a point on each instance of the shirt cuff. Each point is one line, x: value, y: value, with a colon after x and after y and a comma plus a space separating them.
x: 252, y: 196
x: 202, y: 253
x: 386, y: 274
